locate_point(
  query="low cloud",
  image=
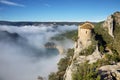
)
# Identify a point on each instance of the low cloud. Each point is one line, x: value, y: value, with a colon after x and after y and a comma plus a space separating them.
x: 6, y: 2
x: 27, y: 58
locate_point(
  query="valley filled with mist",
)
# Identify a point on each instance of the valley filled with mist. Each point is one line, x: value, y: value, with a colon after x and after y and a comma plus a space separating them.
x: 59, y: 40
x: 23, y: 55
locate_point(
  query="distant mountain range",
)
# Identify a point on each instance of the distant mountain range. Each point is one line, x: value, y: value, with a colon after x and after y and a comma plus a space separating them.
x: 38, y: 23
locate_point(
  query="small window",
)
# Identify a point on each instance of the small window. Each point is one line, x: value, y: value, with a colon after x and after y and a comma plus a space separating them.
x: 86, y: 32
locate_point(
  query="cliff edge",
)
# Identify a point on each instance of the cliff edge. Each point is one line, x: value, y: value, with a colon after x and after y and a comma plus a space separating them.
x: 96, y: 53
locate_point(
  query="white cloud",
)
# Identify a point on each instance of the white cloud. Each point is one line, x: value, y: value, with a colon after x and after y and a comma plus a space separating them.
x: 11, y: 3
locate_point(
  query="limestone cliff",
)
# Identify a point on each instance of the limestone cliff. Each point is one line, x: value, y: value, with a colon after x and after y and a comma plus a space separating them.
x: 109, y: 25
x: 109, y: 56
x: 83, y: 42
x: 96, y: 53
x: 111, y: 21
x: 113, y: 69
x: 116, y: 17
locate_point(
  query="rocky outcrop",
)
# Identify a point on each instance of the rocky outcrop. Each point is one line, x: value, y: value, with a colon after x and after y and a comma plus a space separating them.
x: 84, y: 40
x: 109, y: 25
x: 113, y: 69
x: 51, y: 45
x: 81, y: 59
x: 116, y: 17
x: 90, y: 58
x: 107, y: 72
x: 95, y: 56
x: 111, y: 21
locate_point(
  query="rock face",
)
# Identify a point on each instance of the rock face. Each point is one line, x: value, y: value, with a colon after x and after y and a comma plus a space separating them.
x: 116, y: 17
x: 111, y: 21
x: 95, y: 56
x: 84, y: 40
x: 113, y: 69
x: 81, y: 59
x: 109, y: 24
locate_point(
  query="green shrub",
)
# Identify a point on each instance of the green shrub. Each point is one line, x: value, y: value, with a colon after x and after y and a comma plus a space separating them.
x: 70, y: 52
x: 63, y: 63
x: 115, y: 57
x: 86, y: 71
x: 53, y: 76
x: 101, y: 48
x: 102, y: 37
x: 88, y: 51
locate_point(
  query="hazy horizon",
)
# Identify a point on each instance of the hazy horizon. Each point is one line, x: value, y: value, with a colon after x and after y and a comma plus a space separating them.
x: 48, y: 21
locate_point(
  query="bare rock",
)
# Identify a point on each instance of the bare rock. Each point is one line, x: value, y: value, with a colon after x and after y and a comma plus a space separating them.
x: 109, y: 25
x: 114, y: 69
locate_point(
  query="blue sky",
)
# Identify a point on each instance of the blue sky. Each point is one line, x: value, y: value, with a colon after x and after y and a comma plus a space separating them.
x: 57, y: 10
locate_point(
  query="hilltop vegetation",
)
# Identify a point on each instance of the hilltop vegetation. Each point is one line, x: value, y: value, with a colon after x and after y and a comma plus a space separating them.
x: 62, y: 66
x: 108, y: 46
x: 87, y: 71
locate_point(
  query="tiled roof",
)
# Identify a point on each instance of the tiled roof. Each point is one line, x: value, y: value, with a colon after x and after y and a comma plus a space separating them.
x: 87, y: 26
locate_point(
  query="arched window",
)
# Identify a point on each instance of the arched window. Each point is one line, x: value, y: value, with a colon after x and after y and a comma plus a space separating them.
x: 86, y: 32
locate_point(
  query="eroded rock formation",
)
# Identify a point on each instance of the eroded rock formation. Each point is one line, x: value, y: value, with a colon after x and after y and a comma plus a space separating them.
x: 109, y: 25
x: 84, y: 40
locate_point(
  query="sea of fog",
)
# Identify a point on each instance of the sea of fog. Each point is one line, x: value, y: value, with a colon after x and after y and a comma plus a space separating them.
x: 23, y: 55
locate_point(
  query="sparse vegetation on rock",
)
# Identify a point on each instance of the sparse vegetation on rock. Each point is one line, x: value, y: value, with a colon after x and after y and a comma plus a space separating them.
x: 108, y: 47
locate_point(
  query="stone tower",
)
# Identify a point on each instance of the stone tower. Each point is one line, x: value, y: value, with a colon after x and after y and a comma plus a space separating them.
x: 84, y: 36
x: 84, y: 40
x: 84, y: 31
